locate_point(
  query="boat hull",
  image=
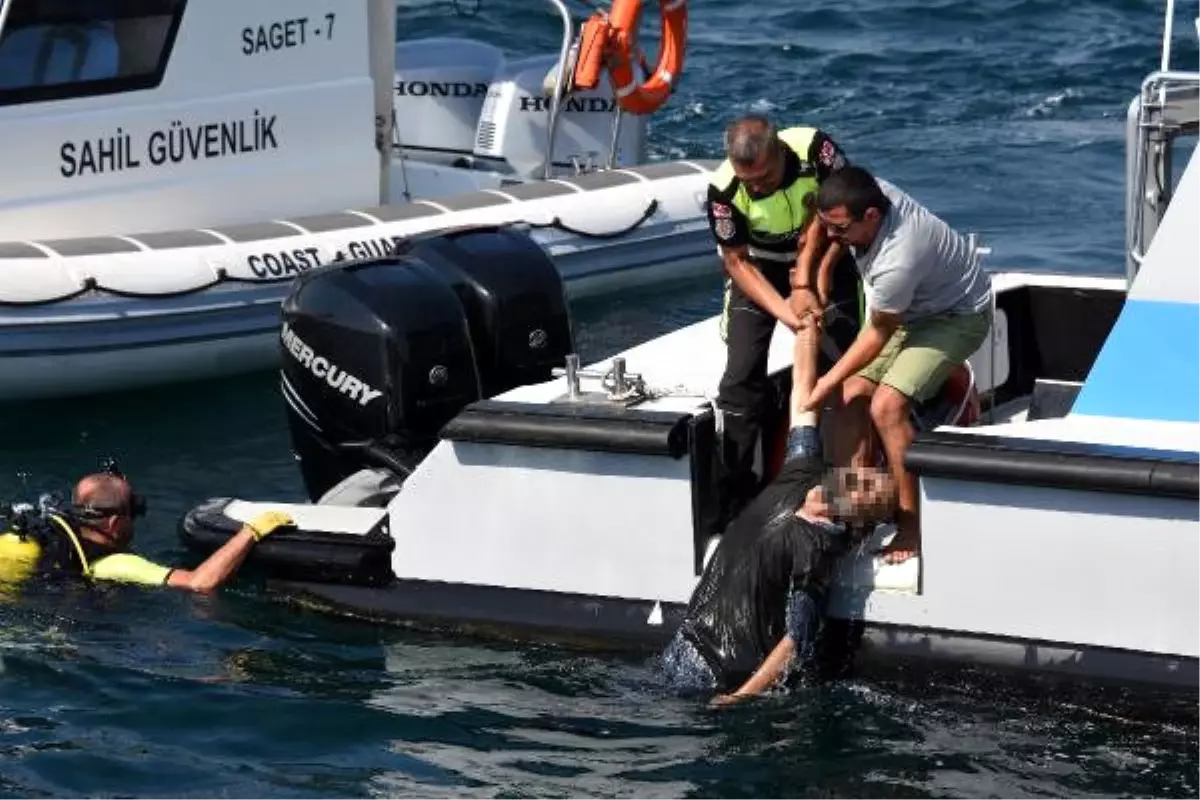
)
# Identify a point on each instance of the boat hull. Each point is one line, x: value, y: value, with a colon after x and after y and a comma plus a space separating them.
x: 193, y: 305
x: 1075, y: 554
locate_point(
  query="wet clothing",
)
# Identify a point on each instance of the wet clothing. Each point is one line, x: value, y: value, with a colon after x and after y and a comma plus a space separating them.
x: 53, y: 548
x: 771, y: 228
x: 767, y: 578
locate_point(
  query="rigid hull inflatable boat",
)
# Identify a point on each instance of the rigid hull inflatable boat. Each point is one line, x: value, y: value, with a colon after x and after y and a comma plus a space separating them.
x: 167, y: 175
x: 490, y: 481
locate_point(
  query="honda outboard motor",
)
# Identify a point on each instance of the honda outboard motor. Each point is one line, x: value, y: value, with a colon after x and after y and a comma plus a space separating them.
x: 440, y: 88
x: 513, y: 123
x: 379, y: 355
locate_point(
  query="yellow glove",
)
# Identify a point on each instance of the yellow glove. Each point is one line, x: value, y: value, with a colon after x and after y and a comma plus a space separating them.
x: 267, y: 522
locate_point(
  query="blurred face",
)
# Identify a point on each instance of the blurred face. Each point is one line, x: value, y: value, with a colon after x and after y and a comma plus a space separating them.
x: 764, y: 176
x: 842, y: 226
x: 860, y: 494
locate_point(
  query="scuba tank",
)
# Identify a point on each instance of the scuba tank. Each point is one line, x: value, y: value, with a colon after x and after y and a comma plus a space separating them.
x: 24, y: 531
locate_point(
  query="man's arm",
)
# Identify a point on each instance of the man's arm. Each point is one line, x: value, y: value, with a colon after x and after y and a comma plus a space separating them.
x: 803, y: 624
x: 813, y: 241
x: 869, y: 343
x: 833, y: 254
x: 773, y: 668
x: 804, y: 370
x: 217, y: 568
x: 898, y: 271
x: 751, y: 281
x: 732, y: 232
x: 826, y: 158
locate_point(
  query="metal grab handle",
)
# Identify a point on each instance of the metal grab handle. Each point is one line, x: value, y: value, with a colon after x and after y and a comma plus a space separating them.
x: 559, y: 84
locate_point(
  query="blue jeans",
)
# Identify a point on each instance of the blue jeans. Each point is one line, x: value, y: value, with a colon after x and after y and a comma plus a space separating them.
x: 803, y: 442
x: 685, y: 669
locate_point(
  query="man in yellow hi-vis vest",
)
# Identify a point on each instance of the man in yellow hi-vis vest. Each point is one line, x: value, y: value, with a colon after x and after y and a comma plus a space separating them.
x: 779, y: 267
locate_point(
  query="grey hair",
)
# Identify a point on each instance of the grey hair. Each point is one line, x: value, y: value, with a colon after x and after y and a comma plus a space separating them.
x: 749, y: 138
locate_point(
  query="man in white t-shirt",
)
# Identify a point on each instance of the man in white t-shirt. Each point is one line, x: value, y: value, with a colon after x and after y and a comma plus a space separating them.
x: 929, y: 306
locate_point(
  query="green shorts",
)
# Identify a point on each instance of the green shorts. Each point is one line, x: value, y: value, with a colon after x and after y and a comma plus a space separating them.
x: 919, y: 356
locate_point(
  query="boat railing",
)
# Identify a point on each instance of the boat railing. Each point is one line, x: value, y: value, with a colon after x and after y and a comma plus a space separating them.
x: 1167, y: 107
x: 560, y: 81
x: 4, y: 8
x: 568, y: 54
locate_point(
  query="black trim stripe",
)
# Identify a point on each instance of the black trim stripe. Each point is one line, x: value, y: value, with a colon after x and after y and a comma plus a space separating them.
x: 1056, y: 464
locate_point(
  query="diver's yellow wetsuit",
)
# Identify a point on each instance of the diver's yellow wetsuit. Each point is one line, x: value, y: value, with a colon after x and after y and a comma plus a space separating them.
x: 54, y: 546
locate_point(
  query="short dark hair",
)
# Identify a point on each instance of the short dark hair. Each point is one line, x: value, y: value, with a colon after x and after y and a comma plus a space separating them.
x: 854, y: 188
x: 749, y: 137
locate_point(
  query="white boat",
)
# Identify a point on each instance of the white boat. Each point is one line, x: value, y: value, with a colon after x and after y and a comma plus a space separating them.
x: 1058, y: 534
x: 169, y: 167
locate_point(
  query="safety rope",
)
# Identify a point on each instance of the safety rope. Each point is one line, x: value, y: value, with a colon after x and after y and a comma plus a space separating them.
x: 93, y: 285
x: 651, y: 210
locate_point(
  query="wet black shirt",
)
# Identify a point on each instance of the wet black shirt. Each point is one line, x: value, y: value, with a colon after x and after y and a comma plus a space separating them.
x: 738, y: 611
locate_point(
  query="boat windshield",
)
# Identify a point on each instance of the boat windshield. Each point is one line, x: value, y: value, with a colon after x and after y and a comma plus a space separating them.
x: 57, y: 49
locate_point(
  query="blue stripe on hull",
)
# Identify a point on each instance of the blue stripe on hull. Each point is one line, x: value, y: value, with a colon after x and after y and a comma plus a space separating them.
x: 1150, y: 366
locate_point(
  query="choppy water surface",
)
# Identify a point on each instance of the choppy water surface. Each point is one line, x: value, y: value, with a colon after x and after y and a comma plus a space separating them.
x: 1004, y: 115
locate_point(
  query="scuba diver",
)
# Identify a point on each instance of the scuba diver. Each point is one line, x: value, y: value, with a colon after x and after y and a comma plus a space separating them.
x: 90, y: 539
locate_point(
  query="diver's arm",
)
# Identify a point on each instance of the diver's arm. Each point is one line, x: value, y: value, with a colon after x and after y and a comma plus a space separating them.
x: 217, y: 568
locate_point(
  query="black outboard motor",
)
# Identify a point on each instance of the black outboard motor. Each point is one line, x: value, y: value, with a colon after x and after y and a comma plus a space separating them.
x: 377, y: 356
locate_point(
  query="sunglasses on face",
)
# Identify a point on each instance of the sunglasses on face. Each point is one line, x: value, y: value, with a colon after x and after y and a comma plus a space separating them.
x: 135, y: 508
x: 838, y: 227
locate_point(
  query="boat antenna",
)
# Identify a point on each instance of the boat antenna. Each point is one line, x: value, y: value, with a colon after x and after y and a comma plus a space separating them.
x: 1168, y: 27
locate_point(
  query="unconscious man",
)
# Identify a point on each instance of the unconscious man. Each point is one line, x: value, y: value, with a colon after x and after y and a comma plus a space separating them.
x: 90, y: 540
x: 755, y: 613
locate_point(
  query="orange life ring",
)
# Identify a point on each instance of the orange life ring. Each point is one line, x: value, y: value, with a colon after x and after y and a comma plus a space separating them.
x: 614, y: 38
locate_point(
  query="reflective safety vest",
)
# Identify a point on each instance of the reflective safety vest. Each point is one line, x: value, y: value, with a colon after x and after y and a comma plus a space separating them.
x: 775, y: 221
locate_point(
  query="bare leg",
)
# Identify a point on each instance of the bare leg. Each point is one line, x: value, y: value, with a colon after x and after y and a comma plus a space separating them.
x: 890, y: 412
x: 855, y: 434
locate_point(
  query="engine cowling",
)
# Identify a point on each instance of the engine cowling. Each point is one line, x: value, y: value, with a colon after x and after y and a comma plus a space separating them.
x: 378, y: 355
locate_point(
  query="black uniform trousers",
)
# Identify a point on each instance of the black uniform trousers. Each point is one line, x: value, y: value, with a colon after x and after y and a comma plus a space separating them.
x: 746, y: 396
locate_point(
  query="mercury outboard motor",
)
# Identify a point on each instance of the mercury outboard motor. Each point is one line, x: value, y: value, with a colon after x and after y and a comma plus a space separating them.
x: 378, y: 355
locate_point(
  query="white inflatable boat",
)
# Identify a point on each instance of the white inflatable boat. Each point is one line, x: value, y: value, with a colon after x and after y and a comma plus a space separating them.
x: 166, y: 175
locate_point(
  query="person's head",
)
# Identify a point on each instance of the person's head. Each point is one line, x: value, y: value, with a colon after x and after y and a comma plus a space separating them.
x: 753, y: 149
x: 854, y: 495
x: 852, y: 206
x: 105, y: 505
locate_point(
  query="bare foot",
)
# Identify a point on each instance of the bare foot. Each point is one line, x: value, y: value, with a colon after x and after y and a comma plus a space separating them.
x: 898, y: 555
x: 902, y: 547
